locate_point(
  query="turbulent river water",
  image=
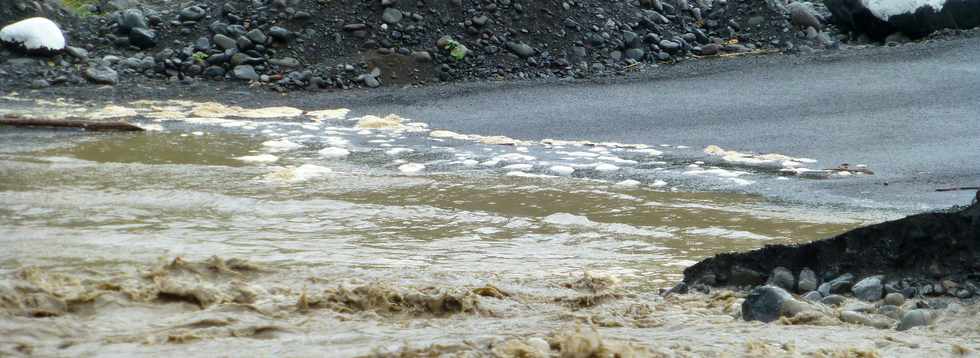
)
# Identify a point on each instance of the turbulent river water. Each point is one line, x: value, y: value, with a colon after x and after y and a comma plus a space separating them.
x: 225, y: 231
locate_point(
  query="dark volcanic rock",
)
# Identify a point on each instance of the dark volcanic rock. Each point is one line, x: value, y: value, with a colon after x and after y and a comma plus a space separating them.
x: 936, y: 244
x: 884, y: 18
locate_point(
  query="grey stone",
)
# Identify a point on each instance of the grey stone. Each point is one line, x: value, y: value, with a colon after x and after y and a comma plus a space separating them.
x: 812, y: 296
x: 191, y: 13
x: 245, y: 72
x: 371, y: 81
x: 915, y: 318
x: 803, y: 16
x: 279, y: 33
x: 710, y: 49
x: 285, y: 62
x: 224, y: 42
x: 77, y: 52
x: 895, y: 299
x: 202, y: 44
x: 764, y: 303
x: 480, y: 20
x: 792, y: 307
x: 833, y: 300
x: 102, y: 74
x: 143, y: 38
x: 257, y: 37
x: 756, y: 21
x: 669, y: 46
x: 214, y: 71
x: 782, y: 277
x: 40, y: 83
x: 422, y: 56
x: 808, y: 280
x: 635, y: 53
x: 244, y: 43
x: 132, y: 19
x: 840, y: 284
x: 520, y: 49
x: 388, y: 2
x: 391, y: 15
x: 870, y: 289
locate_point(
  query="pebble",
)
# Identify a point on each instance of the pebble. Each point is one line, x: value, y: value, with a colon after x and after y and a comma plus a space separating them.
x: 225, y: 42
x: 102, y: 74
x: 782, y: 277
x: 520, y: 49
x: 895, y: 299
x: 808, y: 280
x: 245, y: 72
x: 192, y: 13
x: 869, y: 289
x: 391, y: 15
x: 915, y: 318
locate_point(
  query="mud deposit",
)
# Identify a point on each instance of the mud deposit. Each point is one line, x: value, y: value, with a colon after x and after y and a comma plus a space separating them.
x: 254, y: 232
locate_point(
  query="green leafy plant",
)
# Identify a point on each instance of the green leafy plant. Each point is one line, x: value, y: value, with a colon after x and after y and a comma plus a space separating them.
x: 456, y: 50
x: 199, y: 57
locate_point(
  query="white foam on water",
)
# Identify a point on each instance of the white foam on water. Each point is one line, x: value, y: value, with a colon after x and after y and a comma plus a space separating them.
x: 658, y: 184
x: 521, y: 174
x: 411, y: 168
x: 605, y: 167
x: 298, y: 174
x: 328, y: 114
x: 470, y: 163
x: 562, y: 170
x: 398, y: 151
x: 629, y: 183
x: 726, y: 233
x: 334, y: 152
x: 278, y: 145
x: 261, y: 158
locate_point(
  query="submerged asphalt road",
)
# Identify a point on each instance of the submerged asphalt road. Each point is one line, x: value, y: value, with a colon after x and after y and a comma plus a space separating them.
x: 913, y: 116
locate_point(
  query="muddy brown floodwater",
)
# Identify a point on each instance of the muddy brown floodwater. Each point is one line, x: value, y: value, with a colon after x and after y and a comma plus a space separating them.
x: 225, y: 231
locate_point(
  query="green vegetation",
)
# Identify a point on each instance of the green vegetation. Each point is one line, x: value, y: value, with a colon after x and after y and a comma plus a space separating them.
x: 79, y: 7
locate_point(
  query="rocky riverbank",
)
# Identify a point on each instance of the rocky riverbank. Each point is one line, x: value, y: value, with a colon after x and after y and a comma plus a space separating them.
x: 897, y: 274
x: 284, y: 44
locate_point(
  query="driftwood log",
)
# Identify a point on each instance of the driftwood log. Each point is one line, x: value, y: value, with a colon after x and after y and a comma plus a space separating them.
x: 117, y: 126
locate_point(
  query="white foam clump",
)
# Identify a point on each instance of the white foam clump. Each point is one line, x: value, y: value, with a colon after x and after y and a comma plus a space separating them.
x: 411, y: 168
x: 261, y: 158
x: 567, y: 219
x: 606, y: 167
x: 658, y: 184
x: 328, y: 114
x: 726, y: 233
x: 280, y: 145
x: 885, y: 9
x: 628, y: 183
x: 562, y: 170
x: 753, y: 159
x: 298, y: 174
x: 398, y: 151
x: 521, y: 174
x: 36, y: 33
x: 334, y: 152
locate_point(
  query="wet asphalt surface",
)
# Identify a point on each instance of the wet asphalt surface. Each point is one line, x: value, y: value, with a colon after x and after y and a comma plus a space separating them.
x: 911, y: 113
